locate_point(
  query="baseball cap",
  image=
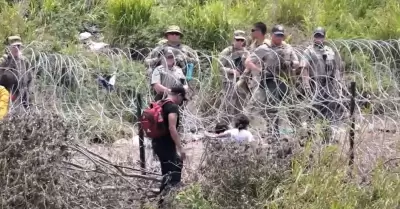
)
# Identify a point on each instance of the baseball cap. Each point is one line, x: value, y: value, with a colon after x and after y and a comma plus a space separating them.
x: 14, y: 40
x: 168, y: 52
x: 179, y: 90
x: 239, y: 34
x: 278, y: 30
x: 320, y: 31
x: 174, y: 29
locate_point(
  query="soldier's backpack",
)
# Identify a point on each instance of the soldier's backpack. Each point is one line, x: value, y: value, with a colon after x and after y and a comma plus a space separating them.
x: 152, y: 121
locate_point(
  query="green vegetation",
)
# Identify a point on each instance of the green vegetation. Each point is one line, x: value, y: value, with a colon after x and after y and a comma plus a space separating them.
x: 207, y: 24
x: 52, y: 26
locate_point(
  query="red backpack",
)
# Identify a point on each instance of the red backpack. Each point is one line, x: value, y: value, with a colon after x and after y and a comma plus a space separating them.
x: 152, y: 121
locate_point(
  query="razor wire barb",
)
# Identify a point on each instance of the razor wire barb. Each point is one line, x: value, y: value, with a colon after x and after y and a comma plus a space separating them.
x: 67, y: 84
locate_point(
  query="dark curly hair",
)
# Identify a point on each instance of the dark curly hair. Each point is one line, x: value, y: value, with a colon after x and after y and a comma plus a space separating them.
x: 221, y: 127
x: 241, y: 122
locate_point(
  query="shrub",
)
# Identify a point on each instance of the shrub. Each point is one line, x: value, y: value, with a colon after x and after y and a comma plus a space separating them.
x: 33, y: 146
x: 238, y: 175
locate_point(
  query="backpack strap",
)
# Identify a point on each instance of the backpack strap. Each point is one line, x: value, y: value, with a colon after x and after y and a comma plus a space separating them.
x: 163, y: 102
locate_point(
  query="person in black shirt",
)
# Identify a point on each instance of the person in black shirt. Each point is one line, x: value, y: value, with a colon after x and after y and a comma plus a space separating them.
x: 168, y: 146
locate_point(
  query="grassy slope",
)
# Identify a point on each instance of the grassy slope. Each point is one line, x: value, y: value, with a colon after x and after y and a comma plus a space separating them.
x: 208, y: 25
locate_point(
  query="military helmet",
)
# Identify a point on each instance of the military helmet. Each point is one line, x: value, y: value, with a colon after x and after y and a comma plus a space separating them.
x: 14, y: 40
x: 278, y: 30
x: 239, y: 34
x: 173, y: 29
x: 319, y: 30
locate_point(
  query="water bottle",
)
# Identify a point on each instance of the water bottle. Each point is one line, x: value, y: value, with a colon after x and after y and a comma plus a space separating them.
x: 189, y: 71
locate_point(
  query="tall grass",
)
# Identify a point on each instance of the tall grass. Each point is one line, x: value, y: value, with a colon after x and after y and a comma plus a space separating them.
x: 127, y: 16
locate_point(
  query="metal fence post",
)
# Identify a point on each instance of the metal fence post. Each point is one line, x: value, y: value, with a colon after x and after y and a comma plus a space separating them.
x: 141, y: 134
x: 352, y: 123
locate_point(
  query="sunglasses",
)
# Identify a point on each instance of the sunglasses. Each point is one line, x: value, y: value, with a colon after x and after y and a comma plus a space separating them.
x: 279, y: 35
x: 174, y: 33
x: 319, y: 36
x: 16, y: 46
x: 239, y: 40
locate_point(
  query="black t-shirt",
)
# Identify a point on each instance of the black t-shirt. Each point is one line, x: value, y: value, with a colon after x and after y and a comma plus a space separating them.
x: 167, y: 109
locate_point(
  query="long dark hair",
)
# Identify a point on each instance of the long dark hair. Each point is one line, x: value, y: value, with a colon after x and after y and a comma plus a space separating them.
x: 241, y: 122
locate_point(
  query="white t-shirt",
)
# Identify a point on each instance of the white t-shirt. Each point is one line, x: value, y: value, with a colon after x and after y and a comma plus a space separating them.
x: 242, y: 135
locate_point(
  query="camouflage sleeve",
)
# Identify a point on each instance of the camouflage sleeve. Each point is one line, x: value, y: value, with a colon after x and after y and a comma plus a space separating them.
x: 293, y: 55
x: 154, y: 57
x: 224, y: 59
x: 259, y: 53
x: 3, y: 61
x: 191, y: 55
x: 305, y: 57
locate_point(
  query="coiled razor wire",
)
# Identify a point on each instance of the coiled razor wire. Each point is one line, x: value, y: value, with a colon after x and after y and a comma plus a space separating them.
x: 67, y: 84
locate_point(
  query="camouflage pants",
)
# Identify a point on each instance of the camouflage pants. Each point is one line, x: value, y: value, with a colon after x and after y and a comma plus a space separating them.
x: 233, y: 100
x: 266, y: 100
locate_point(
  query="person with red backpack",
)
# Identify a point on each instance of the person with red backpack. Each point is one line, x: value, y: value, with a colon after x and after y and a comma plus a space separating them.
x: 160, y: 122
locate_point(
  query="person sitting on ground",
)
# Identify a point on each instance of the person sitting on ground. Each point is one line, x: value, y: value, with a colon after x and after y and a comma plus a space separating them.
x: 239, y: 132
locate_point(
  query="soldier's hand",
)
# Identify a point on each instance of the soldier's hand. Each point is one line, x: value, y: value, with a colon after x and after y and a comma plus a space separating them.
x: 287, y: 64
x: 236, y: 73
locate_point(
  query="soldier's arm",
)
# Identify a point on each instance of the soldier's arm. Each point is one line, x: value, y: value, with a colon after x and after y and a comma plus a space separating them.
x: 294, y: 59
x: 305, y: 67
x: 3, y: 61
x: 226, y: 66
x: 191, y: 55
x: 253, y: 62
x: 154, y: 57
x: 156, y: 82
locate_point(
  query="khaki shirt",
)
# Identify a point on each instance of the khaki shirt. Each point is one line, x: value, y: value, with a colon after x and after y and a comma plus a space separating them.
x: 313, y: 58
x: 168, y: 77
x: 183, y: 55
x: 227, y: 59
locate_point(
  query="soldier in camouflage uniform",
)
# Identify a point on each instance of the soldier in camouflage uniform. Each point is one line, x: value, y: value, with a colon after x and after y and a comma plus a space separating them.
x: 15, y: 71
x: 319, y: 76
x: 249, y: 80
x: 232, y: 66
x: 275, y: 63
x: 167, y: 76
x: 183, y: 54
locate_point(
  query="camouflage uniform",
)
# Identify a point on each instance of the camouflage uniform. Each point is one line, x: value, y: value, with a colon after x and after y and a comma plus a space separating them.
x: 16, y: 73
x: 277, y: 63
x: 183, y: 53
x: 322, y: 67
x: 231, y: 58
x: 253, y: 79
x: 167, y: 77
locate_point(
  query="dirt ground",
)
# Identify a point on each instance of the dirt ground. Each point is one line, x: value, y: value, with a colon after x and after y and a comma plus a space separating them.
x: 376, y: 139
